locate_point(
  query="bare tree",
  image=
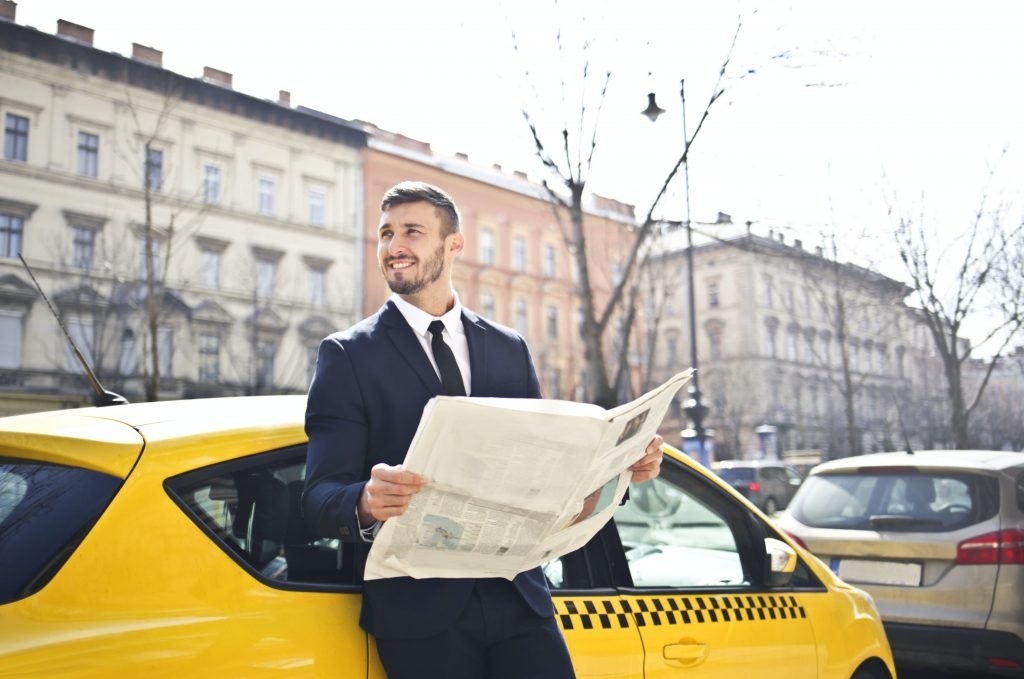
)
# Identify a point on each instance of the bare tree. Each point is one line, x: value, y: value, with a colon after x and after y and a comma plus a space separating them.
x: 165, y: 216
x: 978, y: 279
x: 569, y: 162
x: 856, y: 311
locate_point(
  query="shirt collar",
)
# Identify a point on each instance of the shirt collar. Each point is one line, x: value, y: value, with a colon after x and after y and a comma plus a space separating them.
x: 419, y: 320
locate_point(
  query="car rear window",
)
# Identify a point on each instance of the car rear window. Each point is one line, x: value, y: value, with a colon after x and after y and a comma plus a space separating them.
x: 45, y: 512
x: 732, y: 474
x: 901, y: 501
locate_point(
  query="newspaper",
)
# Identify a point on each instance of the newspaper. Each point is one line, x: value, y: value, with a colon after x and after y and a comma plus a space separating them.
x: 513, y: 483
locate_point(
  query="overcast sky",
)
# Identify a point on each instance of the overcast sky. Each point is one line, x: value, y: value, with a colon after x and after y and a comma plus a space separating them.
x: 911, y: 98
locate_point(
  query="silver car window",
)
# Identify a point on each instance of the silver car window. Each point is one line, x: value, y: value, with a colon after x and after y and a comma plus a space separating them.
x: 909, y: 501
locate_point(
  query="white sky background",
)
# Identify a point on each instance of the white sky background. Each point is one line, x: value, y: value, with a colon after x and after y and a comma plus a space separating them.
x: 910, y: 98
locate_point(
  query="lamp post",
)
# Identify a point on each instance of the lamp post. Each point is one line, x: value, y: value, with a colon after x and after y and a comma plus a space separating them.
x: 694, y: 407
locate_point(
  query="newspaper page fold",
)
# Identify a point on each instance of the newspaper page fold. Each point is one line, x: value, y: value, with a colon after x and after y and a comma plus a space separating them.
x: 513, y: 483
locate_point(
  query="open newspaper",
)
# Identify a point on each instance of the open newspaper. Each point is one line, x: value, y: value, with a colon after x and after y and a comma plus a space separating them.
x: 513, y: 483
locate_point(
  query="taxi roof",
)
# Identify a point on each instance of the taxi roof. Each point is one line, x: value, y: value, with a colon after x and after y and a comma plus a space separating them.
x: 110, y: 439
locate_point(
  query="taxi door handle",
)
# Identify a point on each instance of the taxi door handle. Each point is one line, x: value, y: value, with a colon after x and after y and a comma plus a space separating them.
x: 686, y: 654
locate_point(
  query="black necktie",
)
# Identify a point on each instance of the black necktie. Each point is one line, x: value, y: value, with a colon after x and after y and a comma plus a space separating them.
x: 451, y: 378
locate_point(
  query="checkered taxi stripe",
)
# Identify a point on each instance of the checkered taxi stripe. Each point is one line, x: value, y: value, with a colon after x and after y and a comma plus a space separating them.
x: 615, y: 613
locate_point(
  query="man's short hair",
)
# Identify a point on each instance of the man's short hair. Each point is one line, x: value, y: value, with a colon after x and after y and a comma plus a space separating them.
x: 414, y: 192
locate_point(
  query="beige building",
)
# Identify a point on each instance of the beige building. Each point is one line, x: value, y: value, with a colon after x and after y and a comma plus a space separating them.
x: 789, y: 339
x: 246, y: 210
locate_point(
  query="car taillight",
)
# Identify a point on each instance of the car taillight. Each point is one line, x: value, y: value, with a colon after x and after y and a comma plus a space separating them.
x: 754, y: 487
x: 1000, y: 547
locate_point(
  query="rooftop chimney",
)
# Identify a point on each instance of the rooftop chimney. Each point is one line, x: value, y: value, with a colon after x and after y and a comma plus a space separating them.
x: 147, y: 55
x: 462, y: 156
x: 217, y: 77
x: 522, y: 175
x: 496, y: 167
x: 74, y: 32
x: 284, y: 97
x: 798, y: 244
x: 724, y: 218
x: 7, y: 10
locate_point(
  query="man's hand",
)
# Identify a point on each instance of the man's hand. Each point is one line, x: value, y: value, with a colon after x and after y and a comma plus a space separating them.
x: 649, y: 465
x: 387, y: 493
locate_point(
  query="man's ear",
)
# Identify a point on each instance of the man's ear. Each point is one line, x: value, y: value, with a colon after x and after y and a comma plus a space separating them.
x: 456, y: 243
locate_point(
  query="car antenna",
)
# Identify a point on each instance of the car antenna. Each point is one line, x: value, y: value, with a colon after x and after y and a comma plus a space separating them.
x: 102, y: 397
x: 903, y: 429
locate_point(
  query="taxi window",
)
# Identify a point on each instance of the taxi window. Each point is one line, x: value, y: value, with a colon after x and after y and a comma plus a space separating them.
x: 252, y: 509
x: 45, y: 512
x: 676, y: 539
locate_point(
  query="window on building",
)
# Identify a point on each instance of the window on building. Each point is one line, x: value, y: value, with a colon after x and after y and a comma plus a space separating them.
x: 769, y: 292
x: 519, y: 253
x: 211, y: 183
x: 265, y: 351
x: 10, y: 338
x: 900, y: 366
x: 552, y: 313
x: 487, y: 305
x: 144, y: 261
x: 154, y: 168
x: 715, y: 341
x: 265, y: 195
x: 209, y: 268
x: 616, y: 273
x: 554, y: 383
x: 317, y: 285
x: 574, y: 266
x: 713, y: 294
x: 793, y: 345
x: 549, y: 261
x: 88, y: 154
x: 486, y: 247
x: 521, y: 319
x: 672, y: 349
x: 266, y: 270
x: 83, y: 245
x: 80, y: 328
x: 128, y: 358
x: 12, y: 229
x: 209, y: 357
x: 165, y: 345
x: 771, y: 347
x: 311, y: 356
x: 790, y: 302
x: 318, y: 206
x: 15, y: 137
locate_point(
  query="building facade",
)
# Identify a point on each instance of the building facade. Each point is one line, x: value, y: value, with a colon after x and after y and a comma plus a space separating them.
x: 824, y: 354
x: 181, y: 229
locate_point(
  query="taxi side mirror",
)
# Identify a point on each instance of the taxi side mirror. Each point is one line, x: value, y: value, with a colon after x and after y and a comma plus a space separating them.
x: 780, y: 562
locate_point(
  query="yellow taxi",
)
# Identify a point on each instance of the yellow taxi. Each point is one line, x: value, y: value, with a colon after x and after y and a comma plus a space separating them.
x: 165, y: 540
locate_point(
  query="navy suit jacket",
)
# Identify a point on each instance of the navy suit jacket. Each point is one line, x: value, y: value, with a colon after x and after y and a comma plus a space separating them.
x: 371, y: 384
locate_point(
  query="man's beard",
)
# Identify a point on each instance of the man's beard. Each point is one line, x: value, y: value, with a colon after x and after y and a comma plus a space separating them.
x: 432, y: 270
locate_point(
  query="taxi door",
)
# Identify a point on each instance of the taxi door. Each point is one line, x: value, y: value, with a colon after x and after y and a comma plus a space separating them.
x: 602, y: 637
x: 696, y: 591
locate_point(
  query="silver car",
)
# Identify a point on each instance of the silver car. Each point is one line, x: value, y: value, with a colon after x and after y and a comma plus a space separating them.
x: 937, y: 538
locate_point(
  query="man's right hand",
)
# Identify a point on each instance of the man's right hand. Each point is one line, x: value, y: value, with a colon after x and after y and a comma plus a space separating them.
x: 387, y: 493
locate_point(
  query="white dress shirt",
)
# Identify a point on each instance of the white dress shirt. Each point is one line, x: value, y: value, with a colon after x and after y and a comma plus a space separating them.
x: 454, y: 334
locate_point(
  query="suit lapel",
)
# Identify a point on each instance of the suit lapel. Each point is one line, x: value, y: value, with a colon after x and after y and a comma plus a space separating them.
x: 476, y: 338
x: 404, y: 339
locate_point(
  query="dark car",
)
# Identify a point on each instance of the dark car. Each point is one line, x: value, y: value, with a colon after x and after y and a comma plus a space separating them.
x: 768, y: 484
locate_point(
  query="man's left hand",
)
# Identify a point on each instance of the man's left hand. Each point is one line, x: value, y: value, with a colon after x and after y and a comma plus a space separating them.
x: 649, y: 465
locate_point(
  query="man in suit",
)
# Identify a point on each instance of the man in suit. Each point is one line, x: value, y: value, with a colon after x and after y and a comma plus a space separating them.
x: 371, y: 384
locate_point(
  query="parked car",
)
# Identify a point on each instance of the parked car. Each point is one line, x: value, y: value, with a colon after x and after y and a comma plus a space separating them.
x: 937, y: 538
x: 165, y: 540
x: 768, y: 484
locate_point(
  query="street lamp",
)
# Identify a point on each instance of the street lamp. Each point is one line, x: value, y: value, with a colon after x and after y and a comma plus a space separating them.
x: 694, y: 407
